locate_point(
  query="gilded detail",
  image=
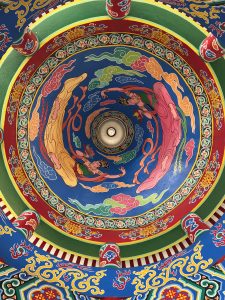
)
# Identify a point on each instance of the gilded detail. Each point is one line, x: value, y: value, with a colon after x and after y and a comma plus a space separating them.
x: 72, y: 228
x: 149, y: 230
x: 20, y: 176
x: 6, y: 230
x: 43, y: 267
x: 23, y: 7
x: 207, y: 179
x: 186, y: 266
x: 74, y: 34
x: 199, y: 10
x: 214, y: 98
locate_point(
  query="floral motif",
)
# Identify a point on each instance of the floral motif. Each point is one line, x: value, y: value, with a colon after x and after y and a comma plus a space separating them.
x: 208, y: 178
x: 16, y: 93
x: 174, y: 293
x: 45, y: 293
x: 214, y: 97
x: 162, y: 37
x: 147, y: 231
x: 20, y: 177
x: 75, y: 33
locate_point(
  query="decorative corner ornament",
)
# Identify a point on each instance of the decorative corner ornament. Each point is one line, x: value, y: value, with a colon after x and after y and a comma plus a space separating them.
x: 27, y: 222
x: 210, y: 50
x: 117, y: 9
x: 193, y: 226
x: 27, y: 44
x: 109, y: 256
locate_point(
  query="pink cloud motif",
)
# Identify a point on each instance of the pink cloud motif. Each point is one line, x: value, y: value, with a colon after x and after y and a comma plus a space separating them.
x: 119, y: 210
x: 139, y: 64
x: 126, y: 200
x: 189, y: 150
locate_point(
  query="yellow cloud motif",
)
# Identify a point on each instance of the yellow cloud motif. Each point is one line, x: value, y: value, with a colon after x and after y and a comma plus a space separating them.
x: 42, y: 267
x: 53, y: 139
x: 150, y: 278
x: 6, y: 230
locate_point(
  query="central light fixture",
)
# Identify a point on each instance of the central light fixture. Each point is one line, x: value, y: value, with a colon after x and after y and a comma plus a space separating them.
x: 112, y: 132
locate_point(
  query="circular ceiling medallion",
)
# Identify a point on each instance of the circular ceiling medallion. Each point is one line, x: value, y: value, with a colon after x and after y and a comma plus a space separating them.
x: 112, y: 132
x: 115, y: 135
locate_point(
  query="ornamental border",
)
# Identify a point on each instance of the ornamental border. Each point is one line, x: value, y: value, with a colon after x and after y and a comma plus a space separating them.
x: 136, y: 262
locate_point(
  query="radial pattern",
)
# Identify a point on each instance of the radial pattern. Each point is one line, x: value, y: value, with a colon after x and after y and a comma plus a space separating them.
x: 115, y: 135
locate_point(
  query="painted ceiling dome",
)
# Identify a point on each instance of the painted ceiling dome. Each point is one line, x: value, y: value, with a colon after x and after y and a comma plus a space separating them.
x: 113, y: 131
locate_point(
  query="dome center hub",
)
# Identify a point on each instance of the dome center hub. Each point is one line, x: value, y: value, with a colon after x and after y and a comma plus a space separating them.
x: 111, y: 131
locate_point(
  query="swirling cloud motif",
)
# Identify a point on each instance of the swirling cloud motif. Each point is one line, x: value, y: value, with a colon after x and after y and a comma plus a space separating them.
x: 18, y: 250
x: 96, y: 209
x: 142, y: 63
x: 6, y: 230
x: 126, y: 79
x: 119, y: 204
x: 54, y: 82
x: 189, y: 149
x: 45, y: 170
x: 106, y: 186
x: 172, y: 134
x: 77, y: 141
x: 120, y: 55
x: 35, y: 121
x: 53, y: 140
x: 105, y: 76
x: 94, y: 99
